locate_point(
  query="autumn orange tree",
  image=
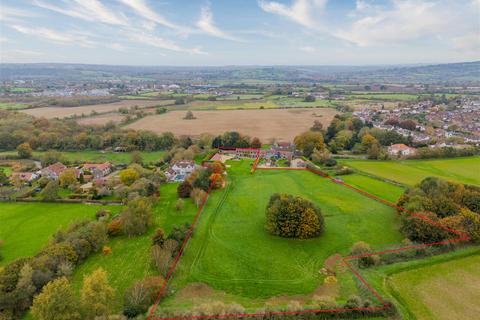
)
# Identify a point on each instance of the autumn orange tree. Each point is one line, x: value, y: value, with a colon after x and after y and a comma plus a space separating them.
x: 293, y: 217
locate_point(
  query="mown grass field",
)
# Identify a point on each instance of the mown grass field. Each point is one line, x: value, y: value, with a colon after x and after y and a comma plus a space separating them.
x: 444, y: 291
x: 411, y: 172
x: 26, y: 227
x: 130, y: 259
x: 97, y: 156
x: 438, y: 287
x: 231, y: 252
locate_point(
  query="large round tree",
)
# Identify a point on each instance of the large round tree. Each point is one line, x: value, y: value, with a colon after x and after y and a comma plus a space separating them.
x: 293, y: 217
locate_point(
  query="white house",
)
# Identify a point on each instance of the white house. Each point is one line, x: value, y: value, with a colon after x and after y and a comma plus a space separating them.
x: 401, y: 150
x: 179, y: 170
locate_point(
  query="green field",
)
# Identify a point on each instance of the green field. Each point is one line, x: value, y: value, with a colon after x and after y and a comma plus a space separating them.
x: 7, y: 170
x: 130, y: 259
x: 448, y: 290
x: 232, y: 253
x: 99, y: 156
x: 13, y: 106
x: 26, y: 227
x: 411, y: 172
x: 438, y: 287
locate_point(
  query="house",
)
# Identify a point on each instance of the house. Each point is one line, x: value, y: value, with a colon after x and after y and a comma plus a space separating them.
x: 179, y: 170
x: 285, y: 150
x: 53, y: 171
x: 24, y: 176
x: 98, y: 170
x: 298, y: 163
x: 401, y: 150
x: 247, y: 153
x: 120, y: 149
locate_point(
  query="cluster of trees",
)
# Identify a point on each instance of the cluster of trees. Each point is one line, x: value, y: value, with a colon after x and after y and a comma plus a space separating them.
x: 234, y: 139
x: 23, y: 278
x: 134, y: 220
x: 446, y: 152
x: 198, y: 182
x: 138, y: 181
x: 42, y: 134
x: 454, y: 205
x: 58, y: 301
x: 293, y: 217
x: 348, y: 133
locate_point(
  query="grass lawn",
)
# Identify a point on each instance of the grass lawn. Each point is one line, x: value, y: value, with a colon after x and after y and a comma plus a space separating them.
x: 7, y: 170
x: 411, y: 172
x: 26, y: 227
x: 98, y: 156
x: 13, y: 106
x: 130, y: 259
x: 376, y: 187
x: 438, y: 287
x: 232, y: 252
x: 448, y: 290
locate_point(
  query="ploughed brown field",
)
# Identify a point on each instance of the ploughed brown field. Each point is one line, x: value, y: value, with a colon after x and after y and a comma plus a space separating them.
x: 63, y: 112
x: 101, y: 119
x: 279, y: 124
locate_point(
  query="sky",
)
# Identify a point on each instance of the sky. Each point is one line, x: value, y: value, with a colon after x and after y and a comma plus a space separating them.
x: 239, y: 32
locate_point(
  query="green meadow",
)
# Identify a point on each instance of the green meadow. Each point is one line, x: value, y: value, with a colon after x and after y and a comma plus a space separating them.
x: 26, y: 227
x: 232, y: 253
x: 130, y: 259
x: 438, y: 287
x: 410, y: 172
x: 98, y: 156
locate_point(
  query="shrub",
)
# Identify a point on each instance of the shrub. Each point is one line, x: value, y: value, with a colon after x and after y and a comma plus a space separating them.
x: 128, y: 176
x: 203, y: 180
x: 293, y: 217
x: 96, y: 294
x: 162, y: 259
x: 102, y: 214
x: 137, y: 217
x: 57, y: 301
x: 50, y: 192
x: 115, y: 227
x: 137, y: 300
x: 24, y: 150
x: 179, y: 205
x: 198, y: 196
x: 361, y: 248
x: 159, y: 237
x: 184, y: 189
x: 106, y: 250
x: 179, y: 233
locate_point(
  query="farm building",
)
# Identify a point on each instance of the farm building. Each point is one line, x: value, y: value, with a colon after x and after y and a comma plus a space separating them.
x: 179, y: 170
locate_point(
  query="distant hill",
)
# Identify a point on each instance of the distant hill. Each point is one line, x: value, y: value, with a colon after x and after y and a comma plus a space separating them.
x: 465, y: 73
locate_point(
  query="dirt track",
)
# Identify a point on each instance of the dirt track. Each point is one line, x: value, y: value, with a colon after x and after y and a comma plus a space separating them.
x: 280, y: 124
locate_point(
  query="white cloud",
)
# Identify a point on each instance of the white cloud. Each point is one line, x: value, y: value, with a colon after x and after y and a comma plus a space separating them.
x: 406, y: 20
x: 11, y: 14
x: 141, y: 7
x: 207, y: 25
x: 55, y: 36
x: 303, y: 12
x: 469, y: 42
x: 159, y: 42
x: 308, y: 49
x: 89, y: 10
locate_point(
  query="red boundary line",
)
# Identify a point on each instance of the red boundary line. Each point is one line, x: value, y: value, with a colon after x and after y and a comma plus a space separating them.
x: 461, y: 237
